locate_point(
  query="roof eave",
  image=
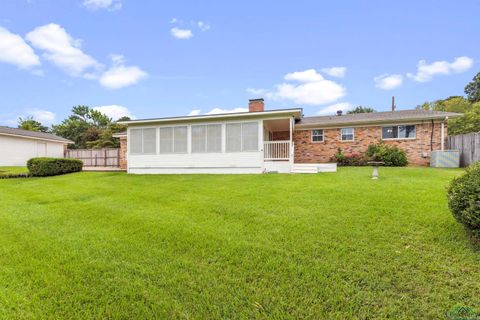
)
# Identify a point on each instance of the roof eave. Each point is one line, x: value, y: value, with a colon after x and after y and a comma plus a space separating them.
x: 37, y: 138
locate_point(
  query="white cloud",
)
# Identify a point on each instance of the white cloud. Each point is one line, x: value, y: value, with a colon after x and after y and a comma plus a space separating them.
x: 119, y: 75
x: 310, y: 75
x: 103, y: 4
x: 257, y: 92
x: 174, y: 20
x: 43, y: 116
x: 203, y: 26
x: 14, y: 50
x: 426, y: 72
x: 115, y: 111
x: 388, y: 81
x: 338, y: 72
x: 332, y: 109
x: 61, y: 49
x: 181, y: 33
x: 234, y: 110
x: 195, y: 112
x: 313, y: 89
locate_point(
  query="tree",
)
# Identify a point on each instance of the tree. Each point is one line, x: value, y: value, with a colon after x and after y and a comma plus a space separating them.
x: 31, y: 124
x: 88, y: 128
x: 469, y: 122
x: 473, y: 89
x: 361, y: 109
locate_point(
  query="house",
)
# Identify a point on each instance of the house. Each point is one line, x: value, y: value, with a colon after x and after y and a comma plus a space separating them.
x: 276, y: 140
x: 17, y: 146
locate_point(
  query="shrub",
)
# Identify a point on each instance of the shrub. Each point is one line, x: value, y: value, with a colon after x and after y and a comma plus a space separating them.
x: 352, y: 159
x: 392, y: 156
x: 42, y: 167
x: 464, y: 199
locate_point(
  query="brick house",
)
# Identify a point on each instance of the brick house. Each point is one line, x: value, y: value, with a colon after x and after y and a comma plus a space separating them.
x: 276, y: 140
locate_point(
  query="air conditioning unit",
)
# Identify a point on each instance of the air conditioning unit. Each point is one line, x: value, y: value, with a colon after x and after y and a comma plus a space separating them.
x: 445, y: 159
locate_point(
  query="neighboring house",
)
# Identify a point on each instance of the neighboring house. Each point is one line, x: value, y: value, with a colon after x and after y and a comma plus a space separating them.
x: 276, y: 140
x: 17, y: 146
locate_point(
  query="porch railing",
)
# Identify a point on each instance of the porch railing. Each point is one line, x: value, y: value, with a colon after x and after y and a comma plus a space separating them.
x: 276, y: 150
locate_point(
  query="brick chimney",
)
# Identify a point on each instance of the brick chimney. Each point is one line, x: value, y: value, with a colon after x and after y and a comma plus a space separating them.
x: 256, y: 105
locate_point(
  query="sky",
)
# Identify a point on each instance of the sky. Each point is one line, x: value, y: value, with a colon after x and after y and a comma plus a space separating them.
x: 148, y: 59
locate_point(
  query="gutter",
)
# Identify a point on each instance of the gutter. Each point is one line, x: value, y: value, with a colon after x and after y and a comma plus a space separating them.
x: 66, y: 141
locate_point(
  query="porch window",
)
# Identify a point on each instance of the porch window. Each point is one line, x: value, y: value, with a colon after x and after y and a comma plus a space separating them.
x: 207, y: 138
x: 173, y: 139
x: 347, y: 134
x: 317, y: 135
x: 399, y: 132
x: 242, y: 137
x: 143, y: 141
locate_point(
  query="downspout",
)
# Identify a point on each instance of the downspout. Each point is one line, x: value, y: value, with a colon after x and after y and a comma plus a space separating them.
x: 443, y: 136
x: 431, y: 136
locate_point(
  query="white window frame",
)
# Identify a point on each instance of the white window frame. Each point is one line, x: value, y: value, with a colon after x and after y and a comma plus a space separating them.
x: 241, y: 136
x: 398, y: 130
x: 144, y: 153
x: 222, y: 139
x: 353, y: 134
x: 317, y: 135
x: 173, y: 139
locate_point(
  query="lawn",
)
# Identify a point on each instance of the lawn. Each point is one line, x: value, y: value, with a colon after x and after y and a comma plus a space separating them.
x: 12, y: 170
x: 325, y: 246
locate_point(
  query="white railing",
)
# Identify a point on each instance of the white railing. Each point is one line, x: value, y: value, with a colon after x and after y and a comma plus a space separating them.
x: 276, y: 150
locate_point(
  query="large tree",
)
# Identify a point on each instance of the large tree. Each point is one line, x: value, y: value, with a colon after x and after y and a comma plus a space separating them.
x: 473, y: 89
x: 31, y: 124
x: 361, y: 109
x: 88, y: 128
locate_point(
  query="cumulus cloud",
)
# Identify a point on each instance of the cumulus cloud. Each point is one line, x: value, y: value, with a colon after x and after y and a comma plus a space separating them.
x: 426, y: 72
x: 338, y: 72
x: 203, y: 26
x: 44, y: 116
x: 115, y: 111
x: 388, y: 81
x: 219, y: 110
x: 332, y: 109
x: 61, y: 49
x: 195, y: 112
x: 103, y: 4
x: 120, y: 76
x: 14, y: 50
x: 312, y: 89
x: 181, y: 33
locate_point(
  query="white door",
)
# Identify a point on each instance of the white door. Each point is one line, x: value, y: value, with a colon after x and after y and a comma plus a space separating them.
x: 41, y: 149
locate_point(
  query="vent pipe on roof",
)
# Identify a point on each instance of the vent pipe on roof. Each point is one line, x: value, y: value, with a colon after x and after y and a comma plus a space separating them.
x: 339, y: 112
x: 393, y: 103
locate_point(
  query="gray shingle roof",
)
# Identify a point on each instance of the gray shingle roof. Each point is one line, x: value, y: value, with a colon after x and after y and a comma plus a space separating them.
x: 375, y: 117
x: 32, y: 134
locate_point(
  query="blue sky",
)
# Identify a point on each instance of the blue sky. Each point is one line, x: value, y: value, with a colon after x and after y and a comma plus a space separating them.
x: 170, y: 58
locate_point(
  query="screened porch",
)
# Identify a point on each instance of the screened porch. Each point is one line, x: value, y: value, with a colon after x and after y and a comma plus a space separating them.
x: 278, y: 143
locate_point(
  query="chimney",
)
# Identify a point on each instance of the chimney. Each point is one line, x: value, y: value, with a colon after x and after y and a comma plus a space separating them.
x: 256, y: 105
x: 393, y: 103
x: 339, y: 112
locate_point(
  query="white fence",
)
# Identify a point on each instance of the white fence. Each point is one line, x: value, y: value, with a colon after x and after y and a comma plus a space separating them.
x: 276, y: 150
x: 468, y: 145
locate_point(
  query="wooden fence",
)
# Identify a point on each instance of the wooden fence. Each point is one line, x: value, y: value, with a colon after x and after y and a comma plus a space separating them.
x: 107, y: 157
x: 469, y: 146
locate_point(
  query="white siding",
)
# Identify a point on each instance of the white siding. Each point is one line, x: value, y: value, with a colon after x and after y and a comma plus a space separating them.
x: 15, y: 151
x: 200, y: 161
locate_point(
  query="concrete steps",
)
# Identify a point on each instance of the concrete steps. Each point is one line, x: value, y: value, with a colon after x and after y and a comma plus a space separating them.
x: 304, y: 168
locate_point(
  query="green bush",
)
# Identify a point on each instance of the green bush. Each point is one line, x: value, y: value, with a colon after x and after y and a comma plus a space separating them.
x: 464, y: 199
x: 352, y: 159
x: 42, y: 167
x: 392, y: 156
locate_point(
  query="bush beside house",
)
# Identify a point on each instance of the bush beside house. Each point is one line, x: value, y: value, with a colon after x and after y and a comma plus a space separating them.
x: 42, y: 167
x: 392, y: 156
x: 464, y: 199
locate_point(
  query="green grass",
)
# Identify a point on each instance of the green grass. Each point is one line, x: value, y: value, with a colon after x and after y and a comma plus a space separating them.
x: 332, y: 246
x: 12, y: 170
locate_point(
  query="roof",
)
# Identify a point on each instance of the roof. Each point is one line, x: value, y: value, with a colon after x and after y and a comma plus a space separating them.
x: 400, y: 116
x: 32, y: 134
x: 297, y: 113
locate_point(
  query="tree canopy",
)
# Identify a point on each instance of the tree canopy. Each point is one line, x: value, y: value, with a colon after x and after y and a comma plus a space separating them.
x: 472, y: 90
x: 31, y: 124
x: 361, y: 109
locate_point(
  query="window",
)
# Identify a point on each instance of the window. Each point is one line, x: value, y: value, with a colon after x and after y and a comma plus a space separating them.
x: 173, y: 139
x: 143, y: 141
x: 207, y: 138
x: 347, y: 134
x: 399, y: 132
x: 317, y: 135
x: 242, y: 137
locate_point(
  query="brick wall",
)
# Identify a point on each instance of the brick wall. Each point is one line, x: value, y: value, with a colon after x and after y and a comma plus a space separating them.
x: 123, y: 153
x: 281, y: 135
x: 307, y: 151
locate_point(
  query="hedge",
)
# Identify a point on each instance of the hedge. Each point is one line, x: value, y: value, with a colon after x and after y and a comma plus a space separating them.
x: 42, y: 167
x: 464, y: 199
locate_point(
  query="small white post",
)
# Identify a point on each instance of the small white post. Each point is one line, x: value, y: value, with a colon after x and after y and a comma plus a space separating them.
x: 443, y: 136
